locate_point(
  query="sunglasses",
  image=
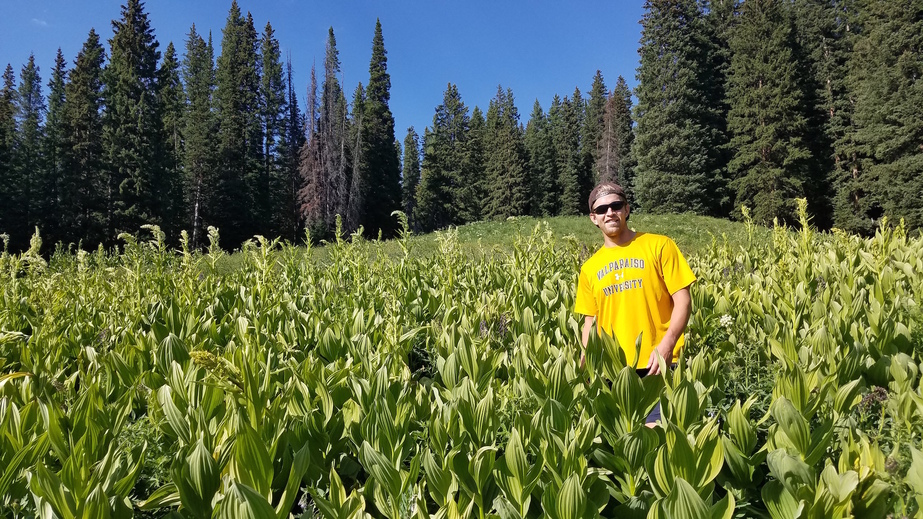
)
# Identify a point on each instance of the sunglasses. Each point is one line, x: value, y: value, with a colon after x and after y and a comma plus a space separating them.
x: 604, y: 208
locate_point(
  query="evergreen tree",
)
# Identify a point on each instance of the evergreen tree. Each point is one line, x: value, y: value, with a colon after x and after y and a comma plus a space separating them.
x: 565, y: 123
x: 541, y: 152
x: 239, y: 137
x: 172, y: 103
x: 313, y: 194
x: 48, y: 202
x: 200, y: 168
x: 7, y: 137
x: 849, y: 201
x: 505, y: 164
x: 471, y: 187
x: 323, y: 164
x: 593, y: 125
x: 84, y: 185
x: 358, y: 134
x: 271, y: 187
x: 410, y: 175
x: 293, y: 138
x: 27, y: 157
x: 132, y: 124
x: 380, y: 167
x: 821, y: 72
x: 613, y: 155
x: 720, y: 19
x: 675, y: 143
x: 885, y: 72
x: 766, y: 119
x: 443, y: 154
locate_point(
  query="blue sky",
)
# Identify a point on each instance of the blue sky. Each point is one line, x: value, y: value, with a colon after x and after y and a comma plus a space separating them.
x: 537, y: 48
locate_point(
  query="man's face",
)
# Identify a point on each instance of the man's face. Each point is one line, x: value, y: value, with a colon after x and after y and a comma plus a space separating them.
x: 605, y: 216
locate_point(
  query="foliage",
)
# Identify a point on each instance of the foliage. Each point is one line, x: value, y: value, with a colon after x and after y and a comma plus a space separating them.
x: 766, y: 120
x: 677, y: 145
x: 364, y: 383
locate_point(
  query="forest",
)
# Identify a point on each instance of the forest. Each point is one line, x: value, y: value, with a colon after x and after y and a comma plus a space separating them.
x: 754, y: 104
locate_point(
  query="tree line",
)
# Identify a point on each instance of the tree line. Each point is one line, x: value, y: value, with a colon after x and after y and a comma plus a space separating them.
x: 752, y: 103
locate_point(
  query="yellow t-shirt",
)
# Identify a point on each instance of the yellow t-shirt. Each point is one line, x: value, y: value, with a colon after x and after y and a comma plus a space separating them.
x: 628, y: 289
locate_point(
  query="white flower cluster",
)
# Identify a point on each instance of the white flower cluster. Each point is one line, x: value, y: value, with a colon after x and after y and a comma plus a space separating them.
x: 726, y: 321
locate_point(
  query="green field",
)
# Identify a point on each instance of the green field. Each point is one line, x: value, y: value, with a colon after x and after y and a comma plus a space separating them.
x: 438, y: 376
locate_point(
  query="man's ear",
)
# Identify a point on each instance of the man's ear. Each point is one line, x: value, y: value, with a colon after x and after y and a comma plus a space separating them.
x: 593, y: 219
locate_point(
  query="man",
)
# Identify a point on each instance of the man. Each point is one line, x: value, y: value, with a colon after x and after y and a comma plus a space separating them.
x: 636, y: 284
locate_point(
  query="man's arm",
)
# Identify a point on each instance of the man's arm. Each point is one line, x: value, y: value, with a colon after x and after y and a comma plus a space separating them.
x: 682, y: 307
x: 587, y: 328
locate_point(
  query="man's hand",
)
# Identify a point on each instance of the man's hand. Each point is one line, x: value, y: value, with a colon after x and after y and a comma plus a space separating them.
x: 665, y: 349
x: 588, y: 322
x: 682, y: 307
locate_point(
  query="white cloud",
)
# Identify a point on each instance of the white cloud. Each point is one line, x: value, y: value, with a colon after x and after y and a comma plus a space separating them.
x: 40, y: 23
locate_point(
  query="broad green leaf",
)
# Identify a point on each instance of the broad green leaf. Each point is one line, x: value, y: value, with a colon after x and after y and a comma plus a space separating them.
x: 839, y: 487
x: 846, y: 396
x: 438, y: 481
x: 178, y: 424
x: 46, y: 485
x: 251, y: 463
x: 243, y: 502
x: 380, y: 468
x: 197, y: 480
x: 165, y: 496
x: 124, y: 486
x: 96, y: 505
x: 780, y: 503
x: 571, y: 501
x: 740, y: 427
x: 789, y: 470
x: 684, y: 501
x: 792, y: 425
x: 724, y: 509
x: 293, y: 485
x: 24, y: 457
x: 482, y: 464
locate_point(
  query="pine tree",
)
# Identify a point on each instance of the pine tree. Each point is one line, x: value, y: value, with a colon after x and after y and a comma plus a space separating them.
x: 720, y: 19
x: 272, y: 183
x: 7, y: 137
x: 848, y: 204
x: 885, y: 72
x: 84, y: 184
x: 565, y: 123
x: 766, y: 120
x: 410, y: 175
x: 239, y: 131
x: 505, y: 164
x: 200, y: 168
x: 443, y: 154
x: 675, y: 141
x: 314, y: 186
x: 381, y: 165
x: 359, y: 146
x: 293, y: 138
x: 541, y: 152
x: 613, y: 155
x: 593, y: 125
x: 324, y: 162
x: 132, y: 124
x: 821, y: 71
x: 27, y: 156
x: 48, y: 201
x: 471, y: 187
x: 171, y: 100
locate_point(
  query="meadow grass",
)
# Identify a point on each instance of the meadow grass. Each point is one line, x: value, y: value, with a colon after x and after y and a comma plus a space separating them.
x: 693, y: 235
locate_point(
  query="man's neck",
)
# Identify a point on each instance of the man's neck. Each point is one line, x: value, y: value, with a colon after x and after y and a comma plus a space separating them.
x: 624, y: 238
